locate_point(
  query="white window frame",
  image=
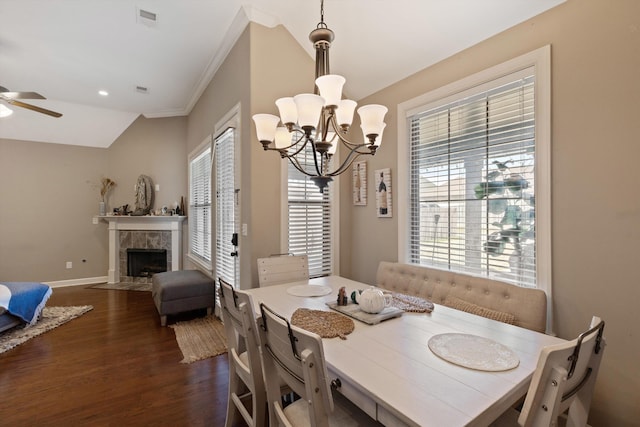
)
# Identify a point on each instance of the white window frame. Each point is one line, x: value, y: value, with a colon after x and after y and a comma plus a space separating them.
x: 540, y: 59
x: 335, y: 211
x: 196, y: 258
x: 230, y: 120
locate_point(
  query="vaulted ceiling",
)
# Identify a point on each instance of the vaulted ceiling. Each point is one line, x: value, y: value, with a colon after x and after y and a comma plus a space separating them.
x: 68, y: 50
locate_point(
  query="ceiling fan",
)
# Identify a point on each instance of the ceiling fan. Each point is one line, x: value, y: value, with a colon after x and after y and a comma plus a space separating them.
x: 12, y: 98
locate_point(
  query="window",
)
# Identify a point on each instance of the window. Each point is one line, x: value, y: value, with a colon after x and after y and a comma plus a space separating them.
x: 477, y: 176
x: 226, y: 212
x: 200, y: 205
x: 309, y: 219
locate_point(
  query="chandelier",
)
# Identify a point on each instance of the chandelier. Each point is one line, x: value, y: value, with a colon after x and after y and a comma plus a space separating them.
x: 320, y: 121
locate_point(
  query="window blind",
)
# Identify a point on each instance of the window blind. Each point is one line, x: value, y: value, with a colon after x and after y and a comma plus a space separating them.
x: 309, y: 215
x: 200, y: 207
x: 225, y: 205
x: 472, y: 182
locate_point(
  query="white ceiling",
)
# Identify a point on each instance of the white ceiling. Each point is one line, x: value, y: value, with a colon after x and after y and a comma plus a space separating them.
x: 67, y: 50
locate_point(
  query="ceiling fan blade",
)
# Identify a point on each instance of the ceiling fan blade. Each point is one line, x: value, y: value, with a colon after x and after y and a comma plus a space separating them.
x: 33, y: 107
x: 23, y: 95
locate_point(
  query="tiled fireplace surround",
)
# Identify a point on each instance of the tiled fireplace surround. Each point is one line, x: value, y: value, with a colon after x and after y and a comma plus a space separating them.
x: 142, y: 232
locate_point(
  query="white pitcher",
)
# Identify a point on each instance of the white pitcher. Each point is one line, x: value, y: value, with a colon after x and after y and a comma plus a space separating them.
x: 373, y: 300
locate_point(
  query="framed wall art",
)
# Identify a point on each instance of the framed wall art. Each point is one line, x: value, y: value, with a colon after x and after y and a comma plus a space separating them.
x: 384, y: 207
x: 360, y: 183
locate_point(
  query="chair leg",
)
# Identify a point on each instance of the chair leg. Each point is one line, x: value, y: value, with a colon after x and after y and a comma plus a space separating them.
x: 260, y: 410
x: 163, y: 320
x: 232, y: 410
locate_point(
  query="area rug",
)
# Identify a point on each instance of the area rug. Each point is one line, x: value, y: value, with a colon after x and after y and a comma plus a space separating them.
x: 200, y: 338
x: 52, y: 317
x: 124, y: 286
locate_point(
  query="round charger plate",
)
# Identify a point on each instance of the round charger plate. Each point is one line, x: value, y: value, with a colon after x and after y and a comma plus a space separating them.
x: 474, y: 352
x: 309, y: 290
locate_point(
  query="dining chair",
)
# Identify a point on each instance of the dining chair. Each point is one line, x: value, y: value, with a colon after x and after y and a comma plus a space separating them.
x: 563, y: 381
x: 283, y: 268
x: 296, y: 356
x: 246, y: 380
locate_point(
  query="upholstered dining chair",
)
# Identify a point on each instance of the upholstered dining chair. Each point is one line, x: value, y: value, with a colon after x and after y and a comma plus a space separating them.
x: 296, y: 356
x: 563, y: 381
x: 246, y: 380
x: 283, y: 268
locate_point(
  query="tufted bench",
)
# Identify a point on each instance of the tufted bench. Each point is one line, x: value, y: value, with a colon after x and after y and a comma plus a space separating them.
x: 178, y: 291
x: 525, y: 307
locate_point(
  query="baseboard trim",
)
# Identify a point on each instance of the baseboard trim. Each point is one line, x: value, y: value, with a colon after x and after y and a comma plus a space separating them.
x: 77, y: 282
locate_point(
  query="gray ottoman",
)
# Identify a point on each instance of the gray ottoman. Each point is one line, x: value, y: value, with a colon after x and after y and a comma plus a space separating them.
x: 177, y: 291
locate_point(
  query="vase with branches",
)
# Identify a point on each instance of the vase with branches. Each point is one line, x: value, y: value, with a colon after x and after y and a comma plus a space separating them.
x: 106, y: 185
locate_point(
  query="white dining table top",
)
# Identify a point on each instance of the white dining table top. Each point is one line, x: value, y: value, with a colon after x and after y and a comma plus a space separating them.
x: 392, y: 364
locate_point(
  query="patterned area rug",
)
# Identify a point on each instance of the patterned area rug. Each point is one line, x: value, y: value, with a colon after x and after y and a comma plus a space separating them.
x: 124, y: 286
x: 52, y: 317
x: 200, y: 338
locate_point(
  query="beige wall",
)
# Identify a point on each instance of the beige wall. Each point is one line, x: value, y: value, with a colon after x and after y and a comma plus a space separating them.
x: 152, y: 147
x: 249, y: 78
x: 268, y: 83
x: 595, y: 150
x: 228, y: 88
x: 50, y: 194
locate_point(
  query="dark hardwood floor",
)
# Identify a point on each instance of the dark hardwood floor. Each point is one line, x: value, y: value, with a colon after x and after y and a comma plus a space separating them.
x: 114, y: 366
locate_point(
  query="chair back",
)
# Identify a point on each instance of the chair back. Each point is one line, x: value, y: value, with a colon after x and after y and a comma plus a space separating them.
x: 244, y: 353
x: 282, y: 269
x: 295, y: 356
x: 565, y: 378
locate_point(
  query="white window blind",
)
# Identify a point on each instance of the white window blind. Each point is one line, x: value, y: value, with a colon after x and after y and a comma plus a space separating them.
x: 472, y: 182
x: 200, y: 206
x: 225, y: 205
x: 309, y: 214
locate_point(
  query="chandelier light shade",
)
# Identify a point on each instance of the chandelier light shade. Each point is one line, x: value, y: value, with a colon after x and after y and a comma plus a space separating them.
x: 320, y: 121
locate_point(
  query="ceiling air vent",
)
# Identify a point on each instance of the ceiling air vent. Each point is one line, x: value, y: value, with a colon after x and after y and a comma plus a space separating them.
x: 146, y: 17
x: 142, y: 89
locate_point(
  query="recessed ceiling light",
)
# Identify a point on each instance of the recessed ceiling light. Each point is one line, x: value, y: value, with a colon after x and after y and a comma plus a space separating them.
x: 103, y: 92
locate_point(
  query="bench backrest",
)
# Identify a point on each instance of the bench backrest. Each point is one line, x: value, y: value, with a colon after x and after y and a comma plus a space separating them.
x: 528, y: 306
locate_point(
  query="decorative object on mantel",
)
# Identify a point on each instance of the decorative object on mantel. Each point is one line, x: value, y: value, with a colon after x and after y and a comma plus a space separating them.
x: 313, y: 125
x: 106, y: 185
x: 121, y: 211
x: 144, y: 196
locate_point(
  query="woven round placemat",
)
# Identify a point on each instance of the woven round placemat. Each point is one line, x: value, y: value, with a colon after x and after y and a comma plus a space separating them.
x: 327, y: 324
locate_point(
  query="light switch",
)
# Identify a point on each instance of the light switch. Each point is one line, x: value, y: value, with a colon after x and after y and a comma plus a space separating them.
x: 157, y: 187
x: 244, y: 229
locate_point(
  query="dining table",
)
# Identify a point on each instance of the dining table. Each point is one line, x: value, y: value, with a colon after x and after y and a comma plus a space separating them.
x: 440, y: 368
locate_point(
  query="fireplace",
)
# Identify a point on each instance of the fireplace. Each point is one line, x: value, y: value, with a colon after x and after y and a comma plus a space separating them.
x: 147, y: 233
x: 142, y: 262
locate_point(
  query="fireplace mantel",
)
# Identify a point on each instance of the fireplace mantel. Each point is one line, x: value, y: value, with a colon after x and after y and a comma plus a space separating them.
x: 148, y: 223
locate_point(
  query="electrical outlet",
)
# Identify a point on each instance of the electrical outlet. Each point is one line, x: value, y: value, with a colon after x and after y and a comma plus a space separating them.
x: 69, y: 264
x: 95, y: 220
x: 157, y: 187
